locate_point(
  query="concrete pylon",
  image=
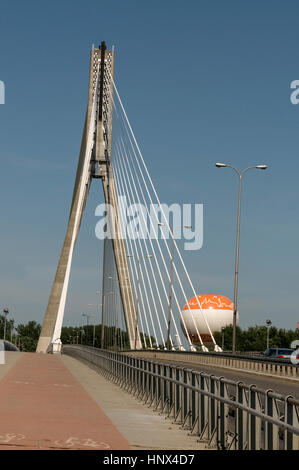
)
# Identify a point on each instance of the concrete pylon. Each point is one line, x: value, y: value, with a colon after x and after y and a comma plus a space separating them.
x: 94, y: 162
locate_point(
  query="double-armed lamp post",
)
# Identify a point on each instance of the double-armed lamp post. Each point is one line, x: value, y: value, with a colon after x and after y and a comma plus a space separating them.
x: 240, y: 174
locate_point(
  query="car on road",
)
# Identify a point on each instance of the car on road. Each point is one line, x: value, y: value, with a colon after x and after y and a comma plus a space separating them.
x: 279, y: 353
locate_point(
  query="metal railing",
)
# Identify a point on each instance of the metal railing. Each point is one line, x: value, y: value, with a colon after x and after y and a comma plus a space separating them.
x: 257, y: 364
x: 222, y: 413
x: 8, y: 346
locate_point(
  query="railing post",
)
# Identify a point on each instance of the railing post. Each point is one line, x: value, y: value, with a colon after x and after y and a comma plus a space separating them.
x: 213, y: 408
x: 176, y: 393
x: 184, y: 396
x: 291, y: 414
x: 252, y: 434
x: 153, y: 382
x: 203, y: 409
x: 194, y: 414
x: 170, y: 390
x: 289, y: 418
x: 240, y: 416
x: 222, y: 419
x: 269, y: 426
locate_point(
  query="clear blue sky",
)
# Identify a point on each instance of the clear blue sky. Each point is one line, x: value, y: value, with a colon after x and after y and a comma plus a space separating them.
x: 202, y: 81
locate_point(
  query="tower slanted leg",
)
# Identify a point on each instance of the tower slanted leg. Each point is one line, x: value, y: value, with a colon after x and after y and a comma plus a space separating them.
x: 94, y: 161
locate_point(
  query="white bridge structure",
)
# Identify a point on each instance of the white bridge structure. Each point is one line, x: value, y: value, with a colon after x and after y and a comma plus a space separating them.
x: 145, y: 280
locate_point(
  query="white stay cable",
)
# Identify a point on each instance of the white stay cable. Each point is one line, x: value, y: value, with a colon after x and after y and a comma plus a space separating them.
x: 119, y: 234
x: 136, y: 257
x: 158, y: 244
x: 165, y: 219
x: 129, y: 179
x: 120, y: 184
x: 153, y: 250
x: 143, y: 255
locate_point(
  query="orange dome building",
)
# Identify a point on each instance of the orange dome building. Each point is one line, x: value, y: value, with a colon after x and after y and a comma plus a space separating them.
x: 216, y: 310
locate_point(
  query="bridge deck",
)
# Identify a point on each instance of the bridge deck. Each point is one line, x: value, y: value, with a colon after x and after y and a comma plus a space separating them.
x: 52, y: 402
x: 43, y: 406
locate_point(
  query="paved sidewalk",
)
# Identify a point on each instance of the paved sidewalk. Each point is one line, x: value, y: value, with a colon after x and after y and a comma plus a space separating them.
x: 140, y: 425
x: 43, y: 406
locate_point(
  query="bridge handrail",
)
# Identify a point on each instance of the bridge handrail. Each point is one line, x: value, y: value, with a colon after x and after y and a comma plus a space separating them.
x: 9, y: 346
x: 241, y: 355
x: 194, y: 395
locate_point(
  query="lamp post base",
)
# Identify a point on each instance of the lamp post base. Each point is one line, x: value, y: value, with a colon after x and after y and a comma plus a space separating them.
x: 57, y: 346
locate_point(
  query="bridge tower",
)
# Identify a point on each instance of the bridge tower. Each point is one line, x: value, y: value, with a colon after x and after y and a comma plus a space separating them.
x: 94, y: 163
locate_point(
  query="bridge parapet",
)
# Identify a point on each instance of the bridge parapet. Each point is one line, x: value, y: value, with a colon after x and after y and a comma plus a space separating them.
x: 8, y: 346
x: 223, y: 413
x: 249, y: 363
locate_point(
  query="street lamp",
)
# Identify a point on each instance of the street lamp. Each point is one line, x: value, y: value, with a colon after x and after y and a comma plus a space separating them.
x: 94, y: 329
x: 98, y: 292
x: 168, y: 341
x: 6, y: 312
x: 137, y: 309
x: 108, y: 315
x: 223, y: 330
x: 82, y: 333
x: 147, y: 256
x: 87, y: 318
x: 268, y: 323
x: 240, y: 174
x: 103, y: 339
x: 94, y: 324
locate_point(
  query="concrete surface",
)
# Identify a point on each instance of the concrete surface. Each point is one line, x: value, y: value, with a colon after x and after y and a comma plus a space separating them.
x: 11, y: 357
x: 141, y: 426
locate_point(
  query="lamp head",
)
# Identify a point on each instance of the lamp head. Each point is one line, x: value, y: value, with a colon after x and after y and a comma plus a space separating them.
x: 220, y: 165
x: 262, y: 167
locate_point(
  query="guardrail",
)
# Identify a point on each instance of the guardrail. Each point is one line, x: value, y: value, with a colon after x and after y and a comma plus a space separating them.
x: 222, y: 413
x: 262, y: 365
x: 8, y: 346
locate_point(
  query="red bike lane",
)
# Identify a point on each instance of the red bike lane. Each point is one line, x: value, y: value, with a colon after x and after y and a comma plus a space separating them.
x: 43, y: 406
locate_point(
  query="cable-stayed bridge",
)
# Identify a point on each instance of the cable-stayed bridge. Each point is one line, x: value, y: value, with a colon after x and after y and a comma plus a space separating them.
x: 145, y: 280
x: 151, y: 320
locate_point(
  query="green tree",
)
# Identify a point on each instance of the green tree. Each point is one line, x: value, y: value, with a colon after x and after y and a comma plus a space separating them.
x: 255, y: 338
x: 28, y: 335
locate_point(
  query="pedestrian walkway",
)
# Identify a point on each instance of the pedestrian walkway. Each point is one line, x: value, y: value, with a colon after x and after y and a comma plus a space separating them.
x: 58, y: 402
x: 144, y: 428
